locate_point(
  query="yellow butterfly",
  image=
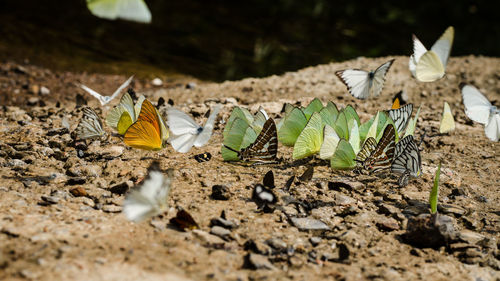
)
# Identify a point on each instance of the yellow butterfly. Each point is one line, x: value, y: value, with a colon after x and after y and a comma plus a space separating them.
x: 149, y: 131
x: 447, y: 122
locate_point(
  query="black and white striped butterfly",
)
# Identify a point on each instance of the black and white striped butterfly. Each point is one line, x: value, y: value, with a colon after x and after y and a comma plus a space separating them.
x: 90, y: 126
x: 401, y: 116
x: 262, y: 194
x: 361, y: 84
x: 265, y: 147
x: 407, y: 160
x: 383, y: 155
x: 369, y: 146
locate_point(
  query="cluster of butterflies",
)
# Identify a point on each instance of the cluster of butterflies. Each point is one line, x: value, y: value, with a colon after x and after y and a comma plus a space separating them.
x: 141, y: 124
x: 428, y: 66
x: 335, y: 134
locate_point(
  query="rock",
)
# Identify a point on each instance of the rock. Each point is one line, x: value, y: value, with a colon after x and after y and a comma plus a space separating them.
x: 431, y: 231
x: 34, y: 89
x: 315, y: 241
x: 229, y: 224
x: 344, y: 252
x: 208, y: 239
x: 387, y: 209
x: 470, y: 237
x: 220, y: 192
x: 158, y: 224
x: 45, y: 151
x: 156, y: 82
x: 110, y: 208
x: 75, y: 180
x: 78, y: 191
x: 84, y: 200
x: 33, y: 101
x: 451, y: 209
x: 256, y: 261
x: 388, y: 224
x: 276, y: 243
x: 221, y: 232
x: 112, y: 151
x: 256, y: 247
x: 352, y: 238
x: 49, y: 200
x: 343, y: 200
x: 44, y: 91
x: 309, y: 224
x: 296, y: 261
x: 351, y: 185
x: 16, y: 163
x: 121, y: 188
x: 41, y: 237
x: 191, y: 85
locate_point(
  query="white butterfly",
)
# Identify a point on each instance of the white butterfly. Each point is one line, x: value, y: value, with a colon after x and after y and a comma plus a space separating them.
x: 90, y: 126
x: 186, y: 132
x: 151, y: 198
x: 133, y: 10
x: 106, y: 99
x: 428, y: 66
x: 361, y: 84
x: 479, y: 109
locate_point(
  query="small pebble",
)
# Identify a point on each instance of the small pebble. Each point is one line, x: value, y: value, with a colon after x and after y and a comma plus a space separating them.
x: 220, y: 192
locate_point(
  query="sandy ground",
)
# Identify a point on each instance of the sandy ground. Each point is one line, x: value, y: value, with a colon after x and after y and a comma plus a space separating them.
x: 49, y: 232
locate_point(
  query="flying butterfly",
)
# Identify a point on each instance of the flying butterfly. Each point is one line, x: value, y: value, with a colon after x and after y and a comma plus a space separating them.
x: 447, y: 122
x: 184, y: 221
x: 362, y: 84
x: 203, y: 157
x: 401, y: 117
x: 149, y: 131
x: 265, y: 147
x: 479, y: 109
x: 132, y: 10
x: 186, y: 132
x: 151, y: 198
x: 383, y: 155
x: 407, y: 160
x: 106, y: 99
x: 90, y: 126
x: 429, y: 65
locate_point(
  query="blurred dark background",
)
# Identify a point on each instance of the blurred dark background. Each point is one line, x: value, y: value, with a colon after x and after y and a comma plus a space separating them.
x: 219, y: 40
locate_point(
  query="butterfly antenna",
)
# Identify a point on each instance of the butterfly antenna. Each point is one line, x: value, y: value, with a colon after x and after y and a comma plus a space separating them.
x: 422, y: 138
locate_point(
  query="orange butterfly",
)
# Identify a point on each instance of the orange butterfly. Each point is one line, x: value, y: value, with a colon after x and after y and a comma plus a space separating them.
x: 149, y: 131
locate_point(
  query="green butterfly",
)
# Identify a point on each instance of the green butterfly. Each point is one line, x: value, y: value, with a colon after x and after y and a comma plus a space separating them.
x: 238, y: 134
x: 309, y: 141
x: 343, y: 158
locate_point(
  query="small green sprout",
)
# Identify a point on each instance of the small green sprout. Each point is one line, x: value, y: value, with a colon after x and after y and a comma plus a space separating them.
x: 433, y: 198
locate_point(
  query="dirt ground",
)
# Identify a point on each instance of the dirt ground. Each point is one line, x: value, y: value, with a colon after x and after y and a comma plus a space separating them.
x: 48, y: 231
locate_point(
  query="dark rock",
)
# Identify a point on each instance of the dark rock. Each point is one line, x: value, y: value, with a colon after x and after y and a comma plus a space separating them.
x: 431, y: 231
x: 315, y: 241
x: 49, y: 200
x: 255, y: 261
x: 229, y: 224
x: 78, y: 191
x: 257, y: 247
x: 76, y: 180
x: 220, y: 192
x: 221, y: 232
x: 57, y: 131
x: 121, y: 188
x: 276, y: 243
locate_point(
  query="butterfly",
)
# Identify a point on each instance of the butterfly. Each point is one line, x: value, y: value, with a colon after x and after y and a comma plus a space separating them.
x: 203, y: 157
x: 447, y: 122
x: 361, y: 84
x: 429, y: 65
x: 186, y: 132
x: 151, y: 198
x: 265, y: 147
x: 367, y: 149
x: 132, y: 10
x: 310, y: 139
x: 307, y: 175
x: 183, y: 220
x: 106, y: 99
x: 401, y: 116
x: 398, y: 100
x: 479, y: 109
x: 382, y: 156
x: 90, y: 126
x: 149, y: 131
x: 407, y: 160
x: 262, y: 194
x: 125, y: 113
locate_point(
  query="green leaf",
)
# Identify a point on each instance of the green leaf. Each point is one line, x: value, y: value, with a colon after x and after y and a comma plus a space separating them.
x: 314, y: 106
x: 344, y: 156
x: 309, y: 141
x: 292, y: 126
x: 433, y: 198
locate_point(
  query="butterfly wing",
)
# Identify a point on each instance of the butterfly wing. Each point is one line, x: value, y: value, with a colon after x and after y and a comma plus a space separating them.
x: 383, y: 155
x: 477, y: 106
x: 357, y: 82
x: 90, y: 126
x: 442, y: 47
x: 368, y: 148
x: 330, y: 142
x: 145, y: 133
x: 259, y: 119
x: 180, y: 123
x: 120, y: 89
x: 401, y: 116
x: 265, y: 147
x: 418, y: 50
x: 182, y: 143
x: 102, y: 99
x: 447, y: 121
x: 134, y: 10
x: 492, y: 129
x: 408, y: 161
x: 429, y: 67
x: 309, y: 140
x: 124, y: 123
x: 205, y: 135
x: 379, y: 78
